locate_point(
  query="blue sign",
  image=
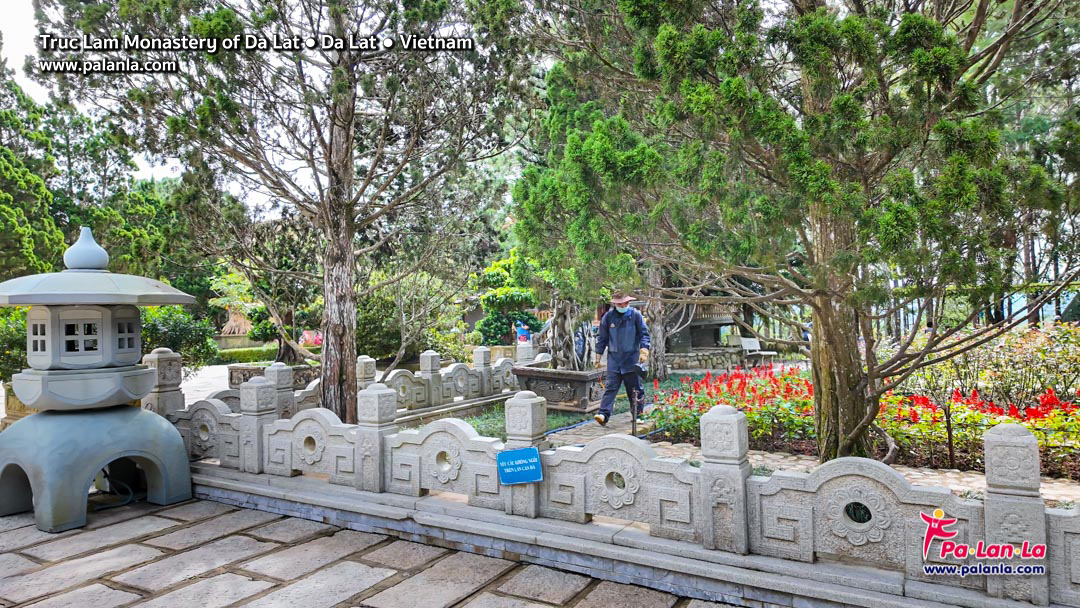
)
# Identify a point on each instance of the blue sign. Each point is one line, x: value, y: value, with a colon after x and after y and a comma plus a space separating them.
x: 519, y: 466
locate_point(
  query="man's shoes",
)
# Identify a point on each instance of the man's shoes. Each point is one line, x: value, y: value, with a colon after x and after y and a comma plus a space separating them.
x: 601, y: 419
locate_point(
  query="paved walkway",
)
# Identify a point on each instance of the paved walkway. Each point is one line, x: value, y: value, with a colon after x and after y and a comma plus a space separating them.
x: 205, y: 381
x: 211, y: 555
x: 960, y: 482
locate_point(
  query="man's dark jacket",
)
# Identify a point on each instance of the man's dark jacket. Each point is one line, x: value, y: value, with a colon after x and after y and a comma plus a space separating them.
x: 622, y: 335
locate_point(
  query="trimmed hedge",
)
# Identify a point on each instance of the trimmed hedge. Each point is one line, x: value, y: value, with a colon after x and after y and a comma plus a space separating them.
x: 254, y: 354
x: 246, y: 355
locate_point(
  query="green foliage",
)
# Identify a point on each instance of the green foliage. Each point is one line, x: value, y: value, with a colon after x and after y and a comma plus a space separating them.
x: 1071, y: 314
x: 263, y: 328
x: 506, y: 299
x: 30, y: 241
x: 175, y: 328
x: 1014, y: 368
x: 496, y: 327
x: 509, y: 286
x: 233, y: 292
x: 12, y: 342
x: 252, y: 354
x: 451, y: 343
x: 378, y: 334
x: 421, y: 301
x: 778, y: 405
x: 825, y: 153
x: 492, y: 423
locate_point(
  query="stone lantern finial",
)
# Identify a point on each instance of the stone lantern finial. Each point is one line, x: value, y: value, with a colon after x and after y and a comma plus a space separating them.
x: 86, y: 254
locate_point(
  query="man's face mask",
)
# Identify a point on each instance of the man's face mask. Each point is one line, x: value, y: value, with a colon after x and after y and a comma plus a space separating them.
x: 622, y: 309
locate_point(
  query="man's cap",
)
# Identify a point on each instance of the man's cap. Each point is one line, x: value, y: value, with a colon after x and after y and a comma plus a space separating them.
x: 621, y: 298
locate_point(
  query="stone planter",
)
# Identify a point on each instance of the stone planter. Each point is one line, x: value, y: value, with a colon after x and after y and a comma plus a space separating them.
x: 564, y: 389
x: 240, y: 373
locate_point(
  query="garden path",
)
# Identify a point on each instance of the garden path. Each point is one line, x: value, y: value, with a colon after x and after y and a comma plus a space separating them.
x: 960, y: 482
x: 212, y: 555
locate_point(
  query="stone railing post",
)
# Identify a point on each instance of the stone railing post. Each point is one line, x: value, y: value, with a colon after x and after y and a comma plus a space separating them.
x: 281, y: 376
x: 376, y: 410
x: 525, y: 353
x: 257, y: 409
x: 481, y: 361
x: 166, y: 396
x: 1015, y: 513
x: 724, y: 470
x: 430, y: 361
x: 526, y: 423
x: 365, y: 371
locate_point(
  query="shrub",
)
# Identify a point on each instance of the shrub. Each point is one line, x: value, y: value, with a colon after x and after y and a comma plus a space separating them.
x: 449, y: 344
x: 12, y: 342
x: 253, y: 354
x: 1014, y: 368
x: 779, y: 407
x: 779, y: 410
x: 495, y: 326
x: 175, y: 328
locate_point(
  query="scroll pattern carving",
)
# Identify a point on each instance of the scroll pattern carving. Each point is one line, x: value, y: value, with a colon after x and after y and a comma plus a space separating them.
x: 793, y: 516
x: 209, y: 430
x: 312, y: 441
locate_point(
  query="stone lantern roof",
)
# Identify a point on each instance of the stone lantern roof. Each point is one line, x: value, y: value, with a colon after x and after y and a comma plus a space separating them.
x: 86, y: 281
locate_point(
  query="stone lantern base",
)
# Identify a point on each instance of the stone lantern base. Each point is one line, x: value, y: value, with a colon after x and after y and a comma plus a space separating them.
x: 49, y: 460
x: 14, y: 410
x: 82, y: 389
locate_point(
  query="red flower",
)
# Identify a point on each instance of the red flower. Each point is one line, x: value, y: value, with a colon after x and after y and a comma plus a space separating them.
x: 1049, y: 399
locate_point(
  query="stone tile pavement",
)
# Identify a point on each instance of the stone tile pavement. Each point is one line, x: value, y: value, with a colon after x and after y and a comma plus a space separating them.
x: 208, y: 379
x: 212, y: 555
x: 1056, y: 490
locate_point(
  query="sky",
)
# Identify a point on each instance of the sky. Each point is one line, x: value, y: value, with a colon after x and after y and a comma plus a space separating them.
x: 20, y: 32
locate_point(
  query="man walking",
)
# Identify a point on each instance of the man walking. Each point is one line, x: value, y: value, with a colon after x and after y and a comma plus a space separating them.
x: 626, y: 338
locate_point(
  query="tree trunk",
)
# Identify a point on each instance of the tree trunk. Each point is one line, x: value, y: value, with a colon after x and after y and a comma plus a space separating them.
x: 287, y: 354
x: 1030, y: 276
x: 748, y: 319
x: 657, y: 317
x: 564, y: 325
x: 337, y: 221
x: 339, y: 326
x: 657, y: 340
x: 839, y: 402
x: 840, y: 396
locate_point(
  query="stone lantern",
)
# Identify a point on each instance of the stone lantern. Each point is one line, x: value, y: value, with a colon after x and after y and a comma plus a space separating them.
x: 83, y: 347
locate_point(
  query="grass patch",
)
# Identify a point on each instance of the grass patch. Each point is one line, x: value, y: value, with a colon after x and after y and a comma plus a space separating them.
x: 492, y: 423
